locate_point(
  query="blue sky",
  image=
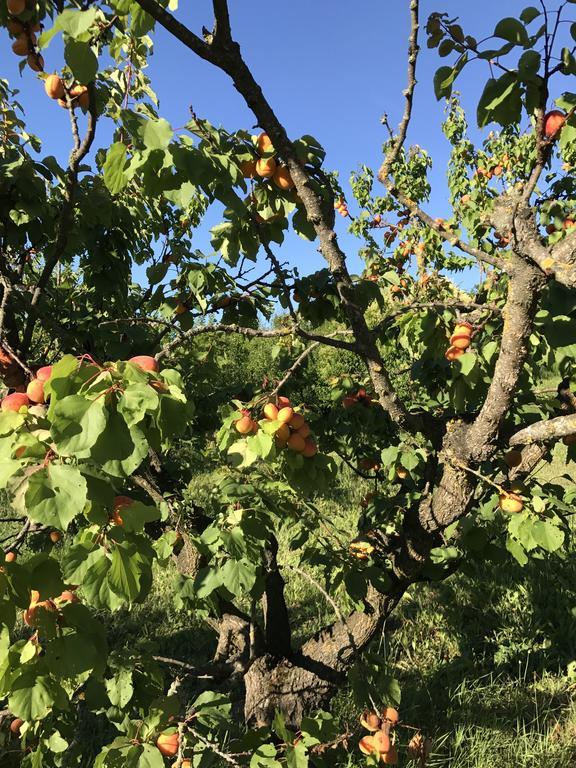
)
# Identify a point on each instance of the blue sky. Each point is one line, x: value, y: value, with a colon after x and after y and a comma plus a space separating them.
x: 328, y: 69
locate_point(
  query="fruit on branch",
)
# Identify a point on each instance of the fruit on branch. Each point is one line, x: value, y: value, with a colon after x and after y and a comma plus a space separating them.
x: 296, y: 443
x: 10, y: 557
x: 510, y: 502
x: 15, y: 726
x: 367, y: 499
x: 460, y: 342
x: 297, y: 421
x: 270, y: 411
x: 266, y: 167
x: 463, y: 329
x: 381, y: 741
x: 361, y: 548
x: 553, y: 123
x: 283, y: 402
x: 54, y: 87
x: 391, y: 715
x: 44, y: 373
x: 186, y: 763
x: 390, y: 757
x: 304, y: 430
x: 264, y: 144
x: 15, y: 402
x: 80, y: 94
x: 370, y: 720
x: 145, y: 362
x: 366, y: 745
x: 35, y: 391
x: 282, y: 178
x: 401, y: 472
x: 36, y: 62
x: 513, y: 458
x: 67, y: 597
x: 55, y: 536
x: 310, y: 448
x: 15, y: 27
x: 244, y: 424
x: 21, y: 45
x: 120, y: 503
x: 341, y: 207
x: 285, y: 414
x: 453, y: 353
x: 168, y: 743
x: 16, y: 7
x: 33, y: 615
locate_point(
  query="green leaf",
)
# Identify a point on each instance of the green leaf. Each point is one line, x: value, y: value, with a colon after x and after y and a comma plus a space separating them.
x: 443, y: 79
x: 238, y: 576
x: 34, y: 696
x: 81, y: 59
x: 529, y: 14
x: 512, y: 30
x: 547, y: 535
x: 77, y: 424
x: 124, y: 574
x: 156, y: 134
x: 115, y: 176
x: 120, y: 688
x: 500, y: 101
x: 136, y: 401
x: 297, y: 756
x: 142, y: 22
x: 529, y: 65
x: 56, y: 495
x: 75, y: 23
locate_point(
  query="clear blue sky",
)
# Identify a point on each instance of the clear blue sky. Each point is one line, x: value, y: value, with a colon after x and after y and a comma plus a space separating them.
x: 328, y: 68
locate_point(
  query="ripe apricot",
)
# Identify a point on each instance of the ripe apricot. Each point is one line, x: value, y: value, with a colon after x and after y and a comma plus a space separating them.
x: 15, y: 27
x: 68, y: 597
x: 391, y: 715
x: 283, y: 402
x: 16, y: 7
x: 244, y: 425
x: 510, y: 502
x: 36, y: 62
x: 15, y: 726
x: 168, y: 743
x: 310, y: 447
x: 304, y: 430
x: 553, y: 123
x: 366, y: 745
x: 513, y: 458
x: 282, y: 178
x: 120, y: 503
x: 381, y: 741
x: 296, y: 443
x: 21, y: 46
x: 297, y: 421
x: 10, y: 557
x: 453, y: 353
x: 54, y: 87
x: 463, y: 329
x: 270, y: 411
x: 15, y: 401
x: 34, y: 613
x: 401, y: 472
x: 390, y: 757
x: 370, y: 720
x: 264, y: 144
x: 80, y: 93
x: 35, y: 391
x: 255, y: 427
x: 460, y: 341
x: 285, y: 414
x: 283, y: 433
x: 55, y: 536
x: 266, y: 167
x: 145, y: 362
x: 44, y: 373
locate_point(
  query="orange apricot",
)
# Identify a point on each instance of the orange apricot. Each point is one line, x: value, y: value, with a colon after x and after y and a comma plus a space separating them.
x: 264, y: 144
x: 391, y: 715
x: 21, y: 46
x: 297, y: 421
x: 10, y: 557
x: 510, y: 502
x: 54, y: 87
x: 453, y: 353
x: 244, y: 425
x: 168, y: 743
x: 310, y: 447
x: 15, y: 726
x: 285, y: 414
x: 553, y: 123
x: 304, y: 430
x: 55, y: 536
x: 390, y: 757
x: 370, y: 720
x: 460, y: 342
x: 296, y: 443
x: 282, y: 178
x: 16, y: 7
x: 367, y: 746
x: 266, y: 167
x: 381, y: 741
x: 270, y: 411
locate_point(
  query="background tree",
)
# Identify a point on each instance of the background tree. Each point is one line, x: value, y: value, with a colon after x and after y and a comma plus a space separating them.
x: 428, y: 391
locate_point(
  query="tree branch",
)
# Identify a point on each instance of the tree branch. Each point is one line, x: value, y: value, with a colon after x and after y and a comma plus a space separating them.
x: 277, y: 631
x: 541, y: 431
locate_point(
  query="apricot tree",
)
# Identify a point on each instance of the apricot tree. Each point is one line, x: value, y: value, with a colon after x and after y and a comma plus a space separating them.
x: 448, y: 416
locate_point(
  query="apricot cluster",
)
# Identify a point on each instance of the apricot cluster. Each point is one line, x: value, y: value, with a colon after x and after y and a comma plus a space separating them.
x: 266, y: 166
x: 379, y: 742
x: 293, y: 431
x: 38, y: 609
x: 24, y: 32
x: 56, y: 89
x: 361, y: 397
x: 341, y: 207
x: 459, y: 341
x: 34, y: 392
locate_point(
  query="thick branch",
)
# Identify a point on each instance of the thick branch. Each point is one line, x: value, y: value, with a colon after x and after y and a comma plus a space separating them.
x: 541, y: 431
x: 276, y: 619
x: 228, y: 58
